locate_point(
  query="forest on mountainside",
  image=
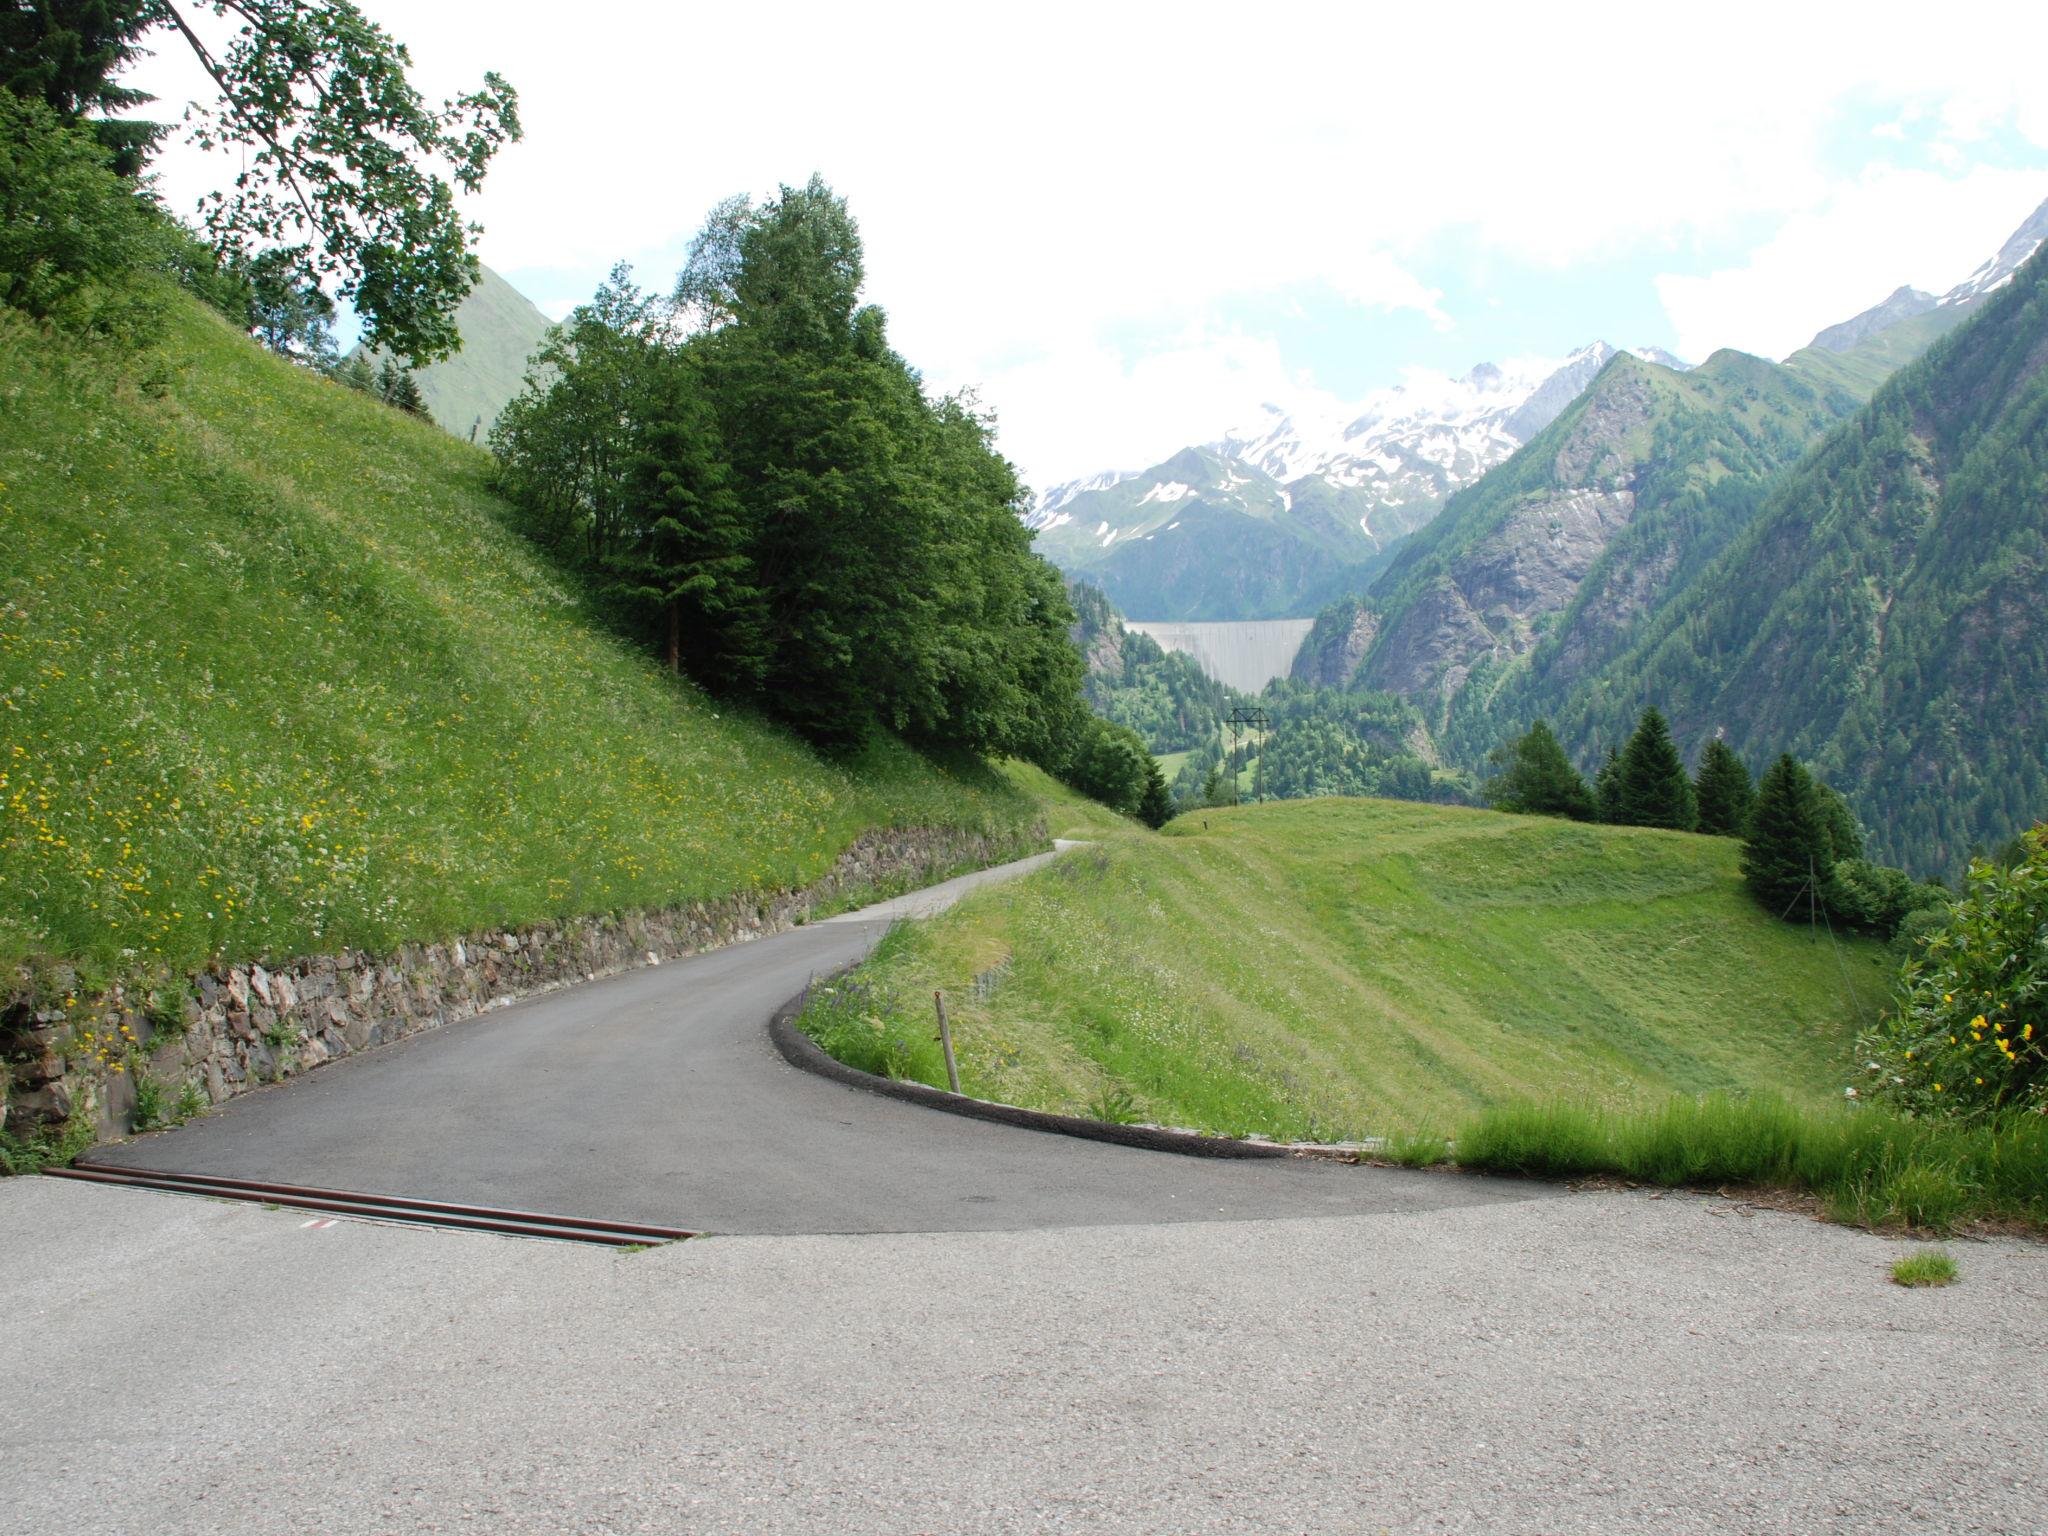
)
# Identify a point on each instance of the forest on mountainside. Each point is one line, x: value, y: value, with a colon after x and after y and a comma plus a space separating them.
x: 1881, y: 616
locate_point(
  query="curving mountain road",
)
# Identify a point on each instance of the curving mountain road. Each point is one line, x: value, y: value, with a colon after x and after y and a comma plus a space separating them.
x: 656, y: 1096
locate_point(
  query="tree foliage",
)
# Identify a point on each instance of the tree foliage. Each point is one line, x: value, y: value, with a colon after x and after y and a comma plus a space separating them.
x: 1535, y: 778
x: 1723, y: 790
x: 348, y: 175
x: 1787, y: 847
x: 1651, y: 787
x: 763, y: 491
x: 1163, y: 695
x: 1875, y: 612
x: 66, y: 220
x: 65, y: 53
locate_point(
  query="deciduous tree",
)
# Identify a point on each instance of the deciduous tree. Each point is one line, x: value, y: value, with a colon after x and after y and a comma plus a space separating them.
x: 348, y: 174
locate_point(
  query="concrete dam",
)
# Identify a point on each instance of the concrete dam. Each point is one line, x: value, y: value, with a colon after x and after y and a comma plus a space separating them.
x: 1245, y: 654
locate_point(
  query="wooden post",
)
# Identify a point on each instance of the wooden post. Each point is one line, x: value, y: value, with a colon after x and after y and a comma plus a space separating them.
x: 946, y: 1043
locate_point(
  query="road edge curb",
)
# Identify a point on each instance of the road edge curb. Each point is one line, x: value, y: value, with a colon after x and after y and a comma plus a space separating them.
x: 804, y: 1053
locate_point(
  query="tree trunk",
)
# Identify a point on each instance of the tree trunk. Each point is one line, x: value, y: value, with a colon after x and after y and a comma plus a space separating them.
x: 675, y: 636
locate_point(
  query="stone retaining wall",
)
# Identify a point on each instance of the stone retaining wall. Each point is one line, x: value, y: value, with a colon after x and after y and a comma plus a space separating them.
x: 242, y: 1026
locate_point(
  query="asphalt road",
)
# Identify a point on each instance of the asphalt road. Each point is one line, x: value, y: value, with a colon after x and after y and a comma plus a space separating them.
x: 655, y: 1096
x: 1603, y: 1363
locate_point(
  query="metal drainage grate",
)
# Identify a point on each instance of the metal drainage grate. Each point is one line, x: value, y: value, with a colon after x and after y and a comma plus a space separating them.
x: 341, y: 1202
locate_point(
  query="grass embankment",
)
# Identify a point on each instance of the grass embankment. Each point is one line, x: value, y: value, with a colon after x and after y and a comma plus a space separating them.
x: 1339, y: 968
x: 274, y: 678
x: 1867, y: 1165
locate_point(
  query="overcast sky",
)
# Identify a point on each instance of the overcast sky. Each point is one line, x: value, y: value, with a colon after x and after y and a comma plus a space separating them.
x: 1127, y: 226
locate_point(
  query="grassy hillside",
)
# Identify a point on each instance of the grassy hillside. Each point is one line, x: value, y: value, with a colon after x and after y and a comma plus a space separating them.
x: 274, y: 678
x: 1862, y: 369
x: 1338, y: 967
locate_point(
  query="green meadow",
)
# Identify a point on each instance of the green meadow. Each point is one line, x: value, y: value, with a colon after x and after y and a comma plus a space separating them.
x: 1331, y: 969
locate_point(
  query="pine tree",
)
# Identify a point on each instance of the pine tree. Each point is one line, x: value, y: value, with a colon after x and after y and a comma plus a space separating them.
x: 1155, y: 806
x: 1539, y: 780
x: 1724, y: 791
x: 399, y: 389
x: 355, y: 372
x: 68, y: 53
x: 683, y: 555
x: 1607, y: 786
x: 1840, y: 831
x: 1652, y: 789
x: 1787, y: 845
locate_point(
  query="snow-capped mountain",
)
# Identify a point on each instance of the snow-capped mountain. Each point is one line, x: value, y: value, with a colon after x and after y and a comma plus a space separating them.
x: 1311, y: 500
x: 1909, y: 303
x: 1050, y: 501
x: 1998, y: 271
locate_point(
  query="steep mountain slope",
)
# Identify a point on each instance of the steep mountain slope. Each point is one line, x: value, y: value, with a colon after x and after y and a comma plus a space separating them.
x: 1314, y: 504
x: 275, y: 678
x: 1561, y: 550
x: 1865, y: 350
x: 500, y: 330
x: 1204, y: 537
x: 1882, y: 617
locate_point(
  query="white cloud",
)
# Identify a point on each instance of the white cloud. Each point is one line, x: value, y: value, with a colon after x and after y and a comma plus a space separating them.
x: 1081, y: 405
x: 1863, y: 240
x: 1034, y: 180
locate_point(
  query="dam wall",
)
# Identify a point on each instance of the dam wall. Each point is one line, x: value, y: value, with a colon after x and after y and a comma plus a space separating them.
x: 1246, y: 654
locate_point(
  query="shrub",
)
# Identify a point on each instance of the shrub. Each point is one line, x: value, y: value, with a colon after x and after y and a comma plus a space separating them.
x: 1968, y: 1030
x: 1876, y: 897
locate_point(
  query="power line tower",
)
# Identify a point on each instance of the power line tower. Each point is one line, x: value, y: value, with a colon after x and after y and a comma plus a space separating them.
x: 1244, y: 719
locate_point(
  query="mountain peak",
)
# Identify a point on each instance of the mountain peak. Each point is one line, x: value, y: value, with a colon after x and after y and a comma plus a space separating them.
x: 1998, y: 271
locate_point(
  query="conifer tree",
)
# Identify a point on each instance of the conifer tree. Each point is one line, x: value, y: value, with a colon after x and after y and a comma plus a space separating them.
x: 1840, y: 831
x: 684, y: 552
x: 397, y: 388
x: 1787, y: 845
x: 67, y: 52
x: 1155, y: 806
x: 1537, y: 779
x: 1652, y: 789
x: 1607, y: 786
x: 1724, y: 791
